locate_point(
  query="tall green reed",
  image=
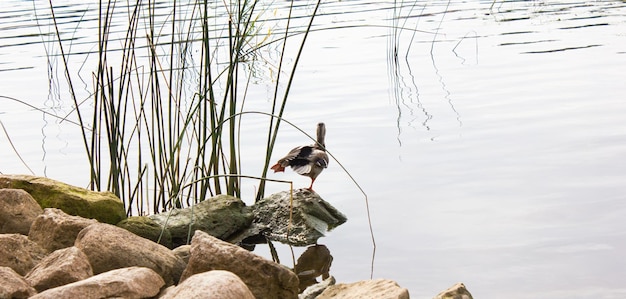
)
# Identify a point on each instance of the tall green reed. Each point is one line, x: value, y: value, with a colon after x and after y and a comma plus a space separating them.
x: 161, y: 128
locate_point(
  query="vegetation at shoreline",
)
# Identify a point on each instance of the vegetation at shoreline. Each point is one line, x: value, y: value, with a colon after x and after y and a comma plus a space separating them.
x: 168, y: 93
x: 161, y: 128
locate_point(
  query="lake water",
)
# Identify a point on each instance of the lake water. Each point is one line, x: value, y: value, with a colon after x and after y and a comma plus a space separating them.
x: 489, y: 137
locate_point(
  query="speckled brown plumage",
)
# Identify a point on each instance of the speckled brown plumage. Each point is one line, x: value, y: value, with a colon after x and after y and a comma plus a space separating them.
x: 307, y: 160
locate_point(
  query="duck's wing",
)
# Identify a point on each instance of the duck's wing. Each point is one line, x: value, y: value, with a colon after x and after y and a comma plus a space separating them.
x: 293, y: 158
x: 302, y: 169
x: 319, y: 158
x: 311, y: 165
x: 296, y: 156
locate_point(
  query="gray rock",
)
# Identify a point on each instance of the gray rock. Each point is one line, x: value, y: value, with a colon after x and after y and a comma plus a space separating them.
x: 133, y: 282
x: 19, y: 253
x: 103, y: 206
x: 18, y: 210
x: 457, y: 291
x: 13, y: 285
x: 378, y: 288
x: 145, y: 227
x: 218, y: 283
x: 54, y: 229
x: 310, y: 219
x: 61, y: 267
x: 109, y: 247
x: 264, y: 278
x: 221, y: 216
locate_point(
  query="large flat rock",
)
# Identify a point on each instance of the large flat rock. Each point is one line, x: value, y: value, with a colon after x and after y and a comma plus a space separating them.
x: 221, y: 216
x: 132, y: 282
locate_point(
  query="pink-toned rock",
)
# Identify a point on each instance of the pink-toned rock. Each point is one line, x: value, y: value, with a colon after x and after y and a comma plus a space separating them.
x: 220, y: 284
x: 133, y: 282
x: 63, y: 266
x: 19, y: 253
x: 457, y: 291
x: 18, y: 210
x: 378, y: 288
x: 264, y: 278
x: 182, y: 252
x: 13, y: 285
x: 109, y: 247
x: 54, y: 229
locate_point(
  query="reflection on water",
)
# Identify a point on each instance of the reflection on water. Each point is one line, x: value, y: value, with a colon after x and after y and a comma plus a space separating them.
x: 489, y: 135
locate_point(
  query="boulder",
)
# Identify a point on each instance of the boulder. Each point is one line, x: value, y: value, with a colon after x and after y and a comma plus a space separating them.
x: 109, y: 247
x: 297, y: 223
x: 13, y: 285
x: 54, y: 229
x: 63, y: 266
x: 221, y: 216
x: 132, y: 282
x: 264, y: 278
x: 18, y: 210
x: 220, y: 284
x: 145, y: 227
x: 19, y: 253
x: 103, y: 206
x: 182, y: 252
x: 457, y: 291
x: 378, y: 288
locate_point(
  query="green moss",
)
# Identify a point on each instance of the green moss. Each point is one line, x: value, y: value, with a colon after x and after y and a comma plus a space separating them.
x: 102, y: 206
x: 147, y: 228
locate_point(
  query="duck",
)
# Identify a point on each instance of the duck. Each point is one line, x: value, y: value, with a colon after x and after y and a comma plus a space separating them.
x: 306, y: 160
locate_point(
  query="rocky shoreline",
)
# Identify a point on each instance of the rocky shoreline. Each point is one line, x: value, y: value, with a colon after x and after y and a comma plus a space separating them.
x: 60, y: 241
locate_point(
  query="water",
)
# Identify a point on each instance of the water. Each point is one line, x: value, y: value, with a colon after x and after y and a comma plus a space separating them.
x: 488, y: 137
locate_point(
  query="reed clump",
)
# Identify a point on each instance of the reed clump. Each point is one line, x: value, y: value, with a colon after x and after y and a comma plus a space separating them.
x: 161, y: 128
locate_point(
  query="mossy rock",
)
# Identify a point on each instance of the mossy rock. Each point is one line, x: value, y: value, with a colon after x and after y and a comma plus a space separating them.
x: 102, y: 206
x: 221, y: 216
x: 147, y: 228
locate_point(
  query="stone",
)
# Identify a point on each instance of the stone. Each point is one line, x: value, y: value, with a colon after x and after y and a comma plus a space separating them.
x: 54, y: 229
x: 313, y: 262
x: 61, y: 267
x: 378, y: 288
x: 221, y: 216
x: 310, y: 219
x: 145, y: 227
x: 18, y: 210
x: 457, y: 291
x: 165, y: 291
x: 311, y: 292
x: 19, y: 253
x: 109, y: 247
x: 13, y: 285
x: 264, y: 278
x: 182, y: 252
x: 219, y: 283
x: 132, y: 282
x: 103, y: 206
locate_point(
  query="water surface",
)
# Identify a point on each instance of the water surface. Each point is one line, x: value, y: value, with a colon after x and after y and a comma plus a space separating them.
x: 489, y: 137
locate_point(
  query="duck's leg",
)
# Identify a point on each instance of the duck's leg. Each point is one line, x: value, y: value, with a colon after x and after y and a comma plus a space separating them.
x: 311, y: 186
